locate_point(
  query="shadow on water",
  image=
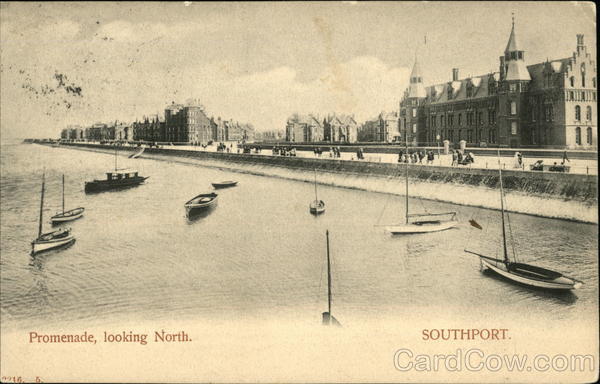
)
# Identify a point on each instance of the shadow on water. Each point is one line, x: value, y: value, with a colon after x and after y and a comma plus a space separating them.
x: 559, y: 296
x: 112, y: 190
x: 197, y: 214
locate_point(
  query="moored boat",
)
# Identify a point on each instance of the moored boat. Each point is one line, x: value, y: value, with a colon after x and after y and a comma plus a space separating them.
x: 117, y: 179
x: 69, y: 215
x: 317, y: 207
x: 49, y: 240
x: 202, y: 201
x: 328, y: 318
x: 421, y: 223
x: 526, y: 274
x: 224, y: 184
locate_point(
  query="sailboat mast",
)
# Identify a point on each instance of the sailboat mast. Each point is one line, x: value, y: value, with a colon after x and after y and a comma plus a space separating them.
x: 42, y: 205
x: 408, y: 159
x: 115, y: 157
x: 63, y: 193
x: 316, y: 198
x: 506, y: 260
x: 328, y: 276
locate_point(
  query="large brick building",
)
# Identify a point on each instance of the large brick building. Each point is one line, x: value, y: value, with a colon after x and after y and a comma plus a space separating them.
x: 304, y: 128
x: 546, y: 104
x: 187, y: 124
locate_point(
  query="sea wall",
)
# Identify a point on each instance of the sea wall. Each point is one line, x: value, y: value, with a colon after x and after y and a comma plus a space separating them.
x: 560, y: 195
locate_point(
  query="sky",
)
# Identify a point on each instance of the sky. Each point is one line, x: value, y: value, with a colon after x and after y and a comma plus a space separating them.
x: 256, y: 62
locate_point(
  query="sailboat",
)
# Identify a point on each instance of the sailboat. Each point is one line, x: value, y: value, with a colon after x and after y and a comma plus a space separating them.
x: 119, y: 178
x: 316, y: 206
x: 421, y: 223
x: 328, y: 318
x: 50, y: 240
x: 69, y: 215
x: 526, y: 274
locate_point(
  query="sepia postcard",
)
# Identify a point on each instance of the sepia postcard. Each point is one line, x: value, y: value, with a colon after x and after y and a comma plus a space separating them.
x: 299, y: 192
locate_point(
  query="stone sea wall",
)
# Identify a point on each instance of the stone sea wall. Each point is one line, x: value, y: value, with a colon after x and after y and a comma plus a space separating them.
x: 559, y: 195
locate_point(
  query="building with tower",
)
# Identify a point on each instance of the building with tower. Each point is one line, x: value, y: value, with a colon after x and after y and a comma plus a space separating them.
x: 549, y: 104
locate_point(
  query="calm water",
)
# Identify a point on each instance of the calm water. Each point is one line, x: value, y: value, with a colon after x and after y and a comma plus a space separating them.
x: 259, y: 251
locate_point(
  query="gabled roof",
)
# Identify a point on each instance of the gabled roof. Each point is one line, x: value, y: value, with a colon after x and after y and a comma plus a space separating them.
x: 438, y: 93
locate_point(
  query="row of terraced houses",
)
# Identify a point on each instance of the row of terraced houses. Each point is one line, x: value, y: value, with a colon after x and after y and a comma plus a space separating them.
x: 181, y: 123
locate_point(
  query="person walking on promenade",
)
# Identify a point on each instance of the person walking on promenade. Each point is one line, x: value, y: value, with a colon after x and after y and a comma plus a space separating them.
x: 400, y: 155
x: 565, y: 157
x: 454, y: 158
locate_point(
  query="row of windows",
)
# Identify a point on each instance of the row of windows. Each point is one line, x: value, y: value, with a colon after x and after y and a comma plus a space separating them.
x: 588, y: 138
x: 588, y: 113
x: 469, y: 135
x: 581, y: 96
x: 473, y: 118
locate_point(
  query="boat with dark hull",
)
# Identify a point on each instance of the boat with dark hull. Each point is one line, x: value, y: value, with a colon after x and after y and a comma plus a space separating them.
x: 316, y: 207
x: 117, y: 179
x: 224, y: 184
x: 71, y: 214
x: 525, y: 274
x: 50, y: 240
x: 201, y: 202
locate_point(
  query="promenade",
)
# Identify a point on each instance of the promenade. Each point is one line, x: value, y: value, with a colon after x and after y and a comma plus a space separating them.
x: 577, y: 166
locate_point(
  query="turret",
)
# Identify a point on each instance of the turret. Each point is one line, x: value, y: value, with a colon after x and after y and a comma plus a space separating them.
x: 514, y: 59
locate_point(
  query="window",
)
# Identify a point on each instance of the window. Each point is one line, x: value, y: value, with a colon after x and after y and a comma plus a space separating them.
x: 583, y: 75
x: 589, y: 135
x: 578, y: 136
x: 551, y: 112
x: 459, y: 119
x: 513, y: 127
x: 513, y: 87
x: 577, y: 113
x: 450, y: 120
x: 588, y: 113
x: 572, y: 81
x: 594, y: 82
x: 513, y: 108
x: 441, y: 120
x: 414, y: 112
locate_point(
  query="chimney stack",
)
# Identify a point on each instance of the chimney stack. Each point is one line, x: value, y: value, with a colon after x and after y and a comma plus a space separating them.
x: 454, y: 74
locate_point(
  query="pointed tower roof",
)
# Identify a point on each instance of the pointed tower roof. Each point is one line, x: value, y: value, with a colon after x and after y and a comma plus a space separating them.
x: 512, y: 40
x: 416, y: 88
x: 515, y: 58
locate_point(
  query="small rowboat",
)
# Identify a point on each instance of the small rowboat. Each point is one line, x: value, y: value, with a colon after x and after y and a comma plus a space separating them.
x: 317, y: 207
x: 202, y: 201
x: 224, y: 184
x: 72, y: 214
